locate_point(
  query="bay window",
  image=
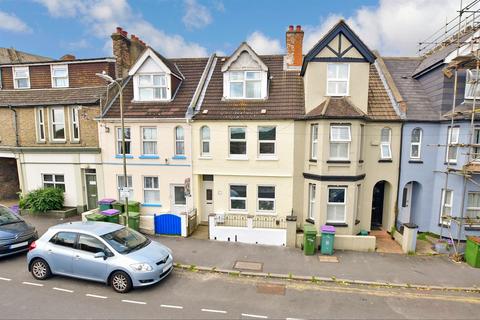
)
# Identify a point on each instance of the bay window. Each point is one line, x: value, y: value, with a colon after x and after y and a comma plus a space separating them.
x: 476, y: 143
x: 40, y: 124
x: 75, y: 124
x: 337, y: 79
x: 245, y: 84
x: 266, y: 141
x: 21, y: 78
x: 57, y: 121
x: 312, y: 189
x: 336, y: 204
x: 313, y: 141
x: 340, y: 138
x: 266, y: 198
x: 152, y: 87
x: 385, y: 143
x: 238, y: 197
x: 416, y: 143
x: 59, y: 76
x: 452, y: 144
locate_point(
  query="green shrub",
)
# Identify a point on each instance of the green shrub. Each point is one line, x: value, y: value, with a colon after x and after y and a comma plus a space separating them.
x: 42, y: 200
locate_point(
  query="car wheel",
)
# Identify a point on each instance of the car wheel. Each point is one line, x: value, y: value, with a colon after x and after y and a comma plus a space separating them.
x: 40, y: 269
x: 121, y: 282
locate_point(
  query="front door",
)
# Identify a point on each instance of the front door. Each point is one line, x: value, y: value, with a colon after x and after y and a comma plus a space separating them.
x: 207, y: 199
x: 377, y: 205
x: 407, y: 202
x: 91, y: 189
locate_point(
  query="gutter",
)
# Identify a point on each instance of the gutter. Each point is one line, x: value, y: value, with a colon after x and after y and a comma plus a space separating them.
x: 15, y: 127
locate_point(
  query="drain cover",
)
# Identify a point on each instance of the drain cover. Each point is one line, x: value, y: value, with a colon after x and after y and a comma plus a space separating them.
x: 248, y: 265
x: 271, y: 288
x: 328, y: 259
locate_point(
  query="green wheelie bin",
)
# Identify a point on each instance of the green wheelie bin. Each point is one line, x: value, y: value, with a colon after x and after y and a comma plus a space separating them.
x: 112, y: 215
x: 106, y: 204
x: 309, y: 239
x: 472, y: 251
x: 328, y: 238
x: 119, y: 206
x: 96, y: 217
x: 133, y: 220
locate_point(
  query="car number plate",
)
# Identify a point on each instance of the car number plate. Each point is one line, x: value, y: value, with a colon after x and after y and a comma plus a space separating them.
x: 168, y: 266
x: 18, y: 245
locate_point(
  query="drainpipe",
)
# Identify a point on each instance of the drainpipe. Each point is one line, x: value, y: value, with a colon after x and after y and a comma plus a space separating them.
x: 14, y: 124
x: 399, y: 177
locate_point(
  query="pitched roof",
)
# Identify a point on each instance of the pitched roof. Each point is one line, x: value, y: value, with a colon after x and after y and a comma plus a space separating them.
x: 236, y: 54
x: 11, y: 55
x: 50, y: 97
x: 191, y: 68
x: 379, y: 104
x: 419, y: 106
x: 335, y: 107
x: 285, y: 96
x: 149, y: 51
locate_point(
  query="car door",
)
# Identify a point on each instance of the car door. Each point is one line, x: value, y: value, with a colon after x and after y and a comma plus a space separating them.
x: 85, y: 265
x: 59, y: 252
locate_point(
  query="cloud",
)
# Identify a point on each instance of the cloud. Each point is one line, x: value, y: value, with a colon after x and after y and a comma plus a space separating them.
x: 219, y: 5
x: 393, y: 27
x: 196, y: 15
x: 79, y: 44
x: 10, y: 22
x: 264, y: 45
x: 102, y: 16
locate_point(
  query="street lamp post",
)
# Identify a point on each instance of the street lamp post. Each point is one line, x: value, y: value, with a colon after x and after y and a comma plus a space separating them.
x: 108, y: 78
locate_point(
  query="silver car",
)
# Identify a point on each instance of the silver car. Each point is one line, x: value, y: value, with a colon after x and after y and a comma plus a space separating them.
x: 100, y: 251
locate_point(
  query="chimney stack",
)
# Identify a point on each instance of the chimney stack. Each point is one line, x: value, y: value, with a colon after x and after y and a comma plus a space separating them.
x: 68, y: 57
x: 294, y: 43
x: 125, y: 50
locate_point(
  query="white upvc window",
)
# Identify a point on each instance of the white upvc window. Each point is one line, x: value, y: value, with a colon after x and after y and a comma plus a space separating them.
x: 128, y: 141
x: 473, y: 205
x: 385, y: 143
x: 314, y: 141
x: 75, y: 124
x: 447, y: 203
x: 205, y: 141
x: 472, y: 88
x: 21, y: 78
x: 336, y: 204
x: 340, y: 138
x: 152, y: 87
x: 453, y: 134
x: 237, y: 142
x: 179, y: 141
x: 267, y: 137
x: 151, y: 190
x: 476, y: 142
x: 416, y: 144
x: 121, y: 185
x: 40, y: 124
x: 179, y: 198
x: 362, y: 143
x: 312, y: 189
x: 53, y: 181
x: 338, y: 79
x: 149, y: 141
x: 266, y: 198
x: 57, y: 123
x: 59, y: 76
x: 245, y: 84
x: 238, y: 197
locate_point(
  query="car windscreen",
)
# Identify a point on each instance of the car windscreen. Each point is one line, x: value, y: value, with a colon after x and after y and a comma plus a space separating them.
x: 126, y: 240
x: 8, y: 217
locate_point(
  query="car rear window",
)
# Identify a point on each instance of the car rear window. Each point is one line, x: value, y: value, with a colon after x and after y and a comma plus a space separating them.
x: 64, y: 239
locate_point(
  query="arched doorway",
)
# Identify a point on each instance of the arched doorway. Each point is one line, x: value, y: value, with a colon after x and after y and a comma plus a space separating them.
x: 410, y: 204
x: 380, y: 198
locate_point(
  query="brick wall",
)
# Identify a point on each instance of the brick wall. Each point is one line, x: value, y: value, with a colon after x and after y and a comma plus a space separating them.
x: 7, y: 78
x: 40, y: 77
x: 7, y: 132
x: 9, y: 185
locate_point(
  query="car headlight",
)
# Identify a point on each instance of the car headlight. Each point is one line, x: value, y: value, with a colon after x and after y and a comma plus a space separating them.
x: 142, y: 267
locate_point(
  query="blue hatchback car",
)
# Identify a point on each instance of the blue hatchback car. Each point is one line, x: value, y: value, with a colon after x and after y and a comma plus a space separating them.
x: 100, y: 251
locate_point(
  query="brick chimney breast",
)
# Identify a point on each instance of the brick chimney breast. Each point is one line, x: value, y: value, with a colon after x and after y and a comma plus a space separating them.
x: 294, y: 44
x: 126, y: 51
x: 68, y: 57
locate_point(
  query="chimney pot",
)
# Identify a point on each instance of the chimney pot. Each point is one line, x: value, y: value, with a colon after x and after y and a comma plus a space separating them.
x: 299, y: 28
x: 124, y: 33
x: 290, y: 28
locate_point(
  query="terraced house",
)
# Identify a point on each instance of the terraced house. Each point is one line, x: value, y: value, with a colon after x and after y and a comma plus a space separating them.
x: 48, y: 133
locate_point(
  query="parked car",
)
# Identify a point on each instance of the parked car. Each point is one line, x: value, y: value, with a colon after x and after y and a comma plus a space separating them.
x: 100, y: 251
x: 15, y: 234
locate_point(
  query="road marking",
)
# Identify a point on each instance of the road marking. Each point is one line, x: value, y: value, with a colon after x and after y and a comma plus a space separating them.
x: 214, y: 311
x: 170, y: 306
x: 5, y: 279
x: 134, y: 302
x: 95, y: 296
x: 33, y: 284
x: 293, y: 319
x: 63, y: 290
x: 254, y: 316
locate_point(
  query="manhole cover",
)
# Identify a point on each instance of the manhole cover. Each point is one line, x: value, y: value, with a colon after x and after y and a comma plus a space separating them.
x: 328, y: 259
x: 248, y: 265
x: 271, y: 288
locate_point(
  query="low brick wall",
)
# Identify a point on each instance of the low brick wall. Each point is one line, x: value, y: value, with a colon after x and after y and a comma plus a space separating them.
x: 346, y: 242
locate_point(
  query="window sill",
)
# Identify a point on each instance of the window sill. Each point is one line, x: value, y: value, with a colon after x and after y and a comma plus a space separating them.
x: 179, y: 158
x: 266, y: 213
x: 310, y: 221
x: 272, y: 158
x: 155, y: 205
x: 41, y: 142
x: 75, y: 142
x: 127, y: 156
x: 245, y: 212
x: 238, y: 159
x: 144, y: 156
x: 313, y: 160
x: 415, y: 161
x: 339, y: 161
x: 58, y: 141
x: 205, y: 157
x: 385, y: 160
x: 337, y: 224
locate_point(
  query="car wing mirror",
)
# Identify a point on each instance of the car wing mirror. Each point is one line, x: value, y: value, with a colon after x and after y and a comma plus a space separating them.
x: 100, y: 254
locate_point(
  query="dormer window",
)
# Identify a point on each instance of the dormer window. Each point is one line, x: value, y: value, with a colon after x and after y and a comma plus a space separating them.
x: 60, y: 76
x: 245, y: 84
x: 337, y: 79
x: 21, y: 78
x: 152, y: 87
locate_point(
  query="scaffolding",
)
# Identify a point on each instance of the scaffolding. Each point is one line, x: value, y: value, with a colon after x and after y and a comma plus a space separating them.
x: 465, y: 57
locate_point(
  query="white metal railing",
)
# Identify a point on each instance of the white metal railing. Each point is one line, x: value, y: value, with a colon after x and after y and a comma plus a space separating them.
x: 248, y: 221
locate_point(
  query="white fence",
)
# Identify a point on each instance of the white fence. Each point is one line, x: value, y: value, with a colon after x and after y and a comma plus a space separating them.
x: 268, y: 230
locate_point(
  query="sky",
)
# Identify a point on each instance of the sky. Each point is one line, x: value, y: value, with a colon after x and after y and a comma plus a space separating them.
x: 191, y: 28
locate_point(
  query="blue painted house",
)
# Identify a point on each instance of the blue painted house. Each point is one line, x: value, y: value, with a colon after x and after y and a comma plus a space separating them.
x: 425, y: 96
